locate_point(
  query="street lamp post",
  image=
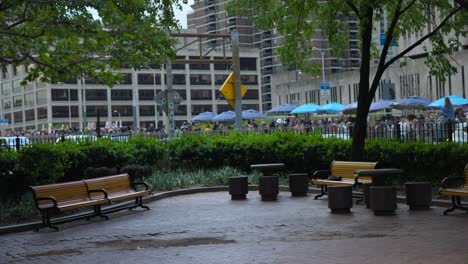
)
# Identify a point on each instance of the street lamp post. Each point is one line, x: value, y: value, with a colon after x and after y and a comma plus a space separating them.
x: 119, y: 122
x: 322, y: 52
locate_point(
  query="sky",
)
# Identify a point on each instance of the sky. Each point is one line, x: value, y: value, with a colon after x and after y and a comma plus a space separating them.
x: 181, y: 15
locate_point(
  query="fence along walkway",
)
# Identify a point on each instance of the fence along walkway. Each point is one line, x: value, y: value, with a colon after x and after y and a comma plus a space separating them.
x: 430, y: 133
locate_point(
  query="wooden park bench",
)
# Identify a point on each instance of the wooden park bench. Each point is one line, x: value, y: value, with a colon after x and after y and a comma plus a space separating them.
x: 341, y: 173
x: 52, y: 199
x: 456, y: 192
x: 118, y: 188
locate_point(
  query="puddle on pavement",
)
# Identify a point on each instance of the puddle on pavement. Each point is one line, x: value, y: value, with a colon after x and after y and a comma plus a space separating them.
x: 158, y: 243
x: 55, y: 253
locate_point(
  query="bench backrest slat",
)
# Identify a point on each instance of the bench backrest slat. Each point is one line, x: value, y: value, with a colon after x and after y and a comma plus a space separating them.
x: 346, y: 169
x: 112, y: 184
x: 67, y: 191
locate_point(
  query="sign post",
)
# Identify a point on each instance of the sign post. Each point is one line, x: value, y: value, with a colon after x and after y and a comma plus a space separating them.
x: 325, y: 92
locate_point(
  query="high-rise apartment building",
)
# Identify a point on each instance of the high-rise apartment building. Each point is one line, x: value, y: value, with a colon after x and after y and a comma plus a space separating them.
x: 76, y: 103
x: 209, y: 16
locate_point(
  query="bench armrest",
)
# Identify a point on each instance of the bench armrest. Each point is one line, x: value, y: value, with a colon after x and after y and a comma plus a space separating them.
x: 141, y: 183
x: 447, y: 181
x: 103, y: 191
x: 321, y: 174
x: 50, y: 198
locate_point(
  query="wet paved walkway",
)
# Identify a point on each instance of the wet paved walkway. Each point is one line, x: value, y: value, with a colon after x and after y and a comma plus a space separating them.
x: 210, y: 228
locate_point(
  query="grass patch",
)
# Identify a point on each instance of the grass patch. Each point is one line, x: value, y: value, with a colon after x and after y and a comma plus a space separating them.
x: 179, y: 179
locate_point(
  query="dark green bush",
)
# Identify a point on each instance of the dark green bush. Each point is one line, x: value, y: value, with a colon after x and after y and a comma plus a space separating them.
x: 92, y: 172
x: 137, y: 171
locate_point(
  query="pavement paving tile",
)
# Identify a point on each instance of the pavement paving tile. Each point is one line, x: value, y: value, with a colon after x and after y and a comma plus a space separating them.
x: 210, y: 228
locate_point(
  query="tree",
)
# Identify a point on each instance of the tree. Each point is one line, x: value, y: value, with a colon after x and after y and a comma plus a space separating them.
x: 297, y: 21
x: 63, y: 39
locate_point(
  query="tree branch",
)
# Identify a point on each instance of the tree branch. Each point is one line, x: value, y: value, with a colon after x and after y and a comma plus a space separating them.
x: 421, y: 40
x: 353, y: 7
x: 381, y: 67
x: 407, y: 7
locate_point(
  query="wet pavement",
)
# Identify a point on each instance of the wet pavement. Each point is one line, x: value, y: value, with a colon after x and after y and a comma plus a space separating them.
x: 210, y: 228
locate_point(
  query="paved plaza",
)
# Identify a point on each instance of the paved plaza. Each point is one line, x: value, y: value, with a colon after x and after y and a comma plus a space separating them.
x: 210, y: 228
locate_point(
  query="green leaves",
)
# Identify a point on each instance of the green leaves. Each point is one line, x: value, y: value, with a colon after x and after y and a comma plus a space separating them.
x: 66, y: 38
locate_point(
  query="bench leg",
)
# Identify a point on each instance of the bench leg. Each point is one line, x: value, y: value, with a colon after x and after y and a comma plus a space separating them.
x: 46, y: 217
x: 322, y: 192
x: 456, y: 204
x: 139, y: 202
x: 98, y: 212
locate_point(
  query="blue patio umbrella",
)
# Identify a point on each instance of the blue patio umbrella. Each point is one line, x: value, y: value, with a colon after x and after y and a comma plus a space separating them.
x: 253, y: 114
x: 411, y: 102
x: 456, y: 101
x: 381, y: 105
x: 228, y: 116
x: 350, y: 109
x: 332, y: 108
x: 307, y: 108
x: 204, y: 117
x: 282, y: 109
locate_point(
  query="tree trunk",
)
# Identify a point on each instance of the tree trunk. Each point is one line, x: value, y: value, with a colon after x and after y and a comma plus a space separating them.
x: 364, y: 100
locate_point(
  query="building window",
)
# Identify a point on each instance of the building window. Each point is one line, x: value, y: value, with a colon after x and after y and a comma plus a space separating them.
x: 63, y: 81
x: 18, y: 101
x: 224, y: 108
x: 42, y: 113
x: 200, y: 79
x: 124, y: 110
x: 182, y: 93
x: 60, y: 112
x: 59, y: 95
x: 126, y: 79
x: 149, y: 79
x: 178, y: 79
x: 251, y: 95
x: 29, y: 115
x: 248, y: 64
x: 75, y: 111
x: 147, y: 110
x: 200, y: 66
x: 17, y: 88
x: 220, y: 66
x: 29, y: 99
x: 200, y: 94
x: 91, y: 110
x: 96, y: 94
x: 7, y: 117
x: 121, y: 95
x: 220, y: 79
x: 180, y: 110
x: 249, y: 79
x: 146, y: 95
x: 41, y: 97
x: 6, y: 104
x: 18, y: 116
x: 6, y: 88
x: 197, y: 109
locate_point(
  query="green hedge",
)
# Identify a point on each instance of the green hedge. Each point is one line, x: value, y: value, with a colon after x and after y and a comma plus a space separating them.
x: 66, y: 161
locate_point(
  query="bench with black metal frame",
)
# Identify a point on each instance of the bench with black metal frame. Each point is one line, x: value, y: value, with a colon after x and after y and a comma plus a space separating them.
x: 459, y: 189
x: 118, y: 188
x: 57, y: 198
x: 341, y: 173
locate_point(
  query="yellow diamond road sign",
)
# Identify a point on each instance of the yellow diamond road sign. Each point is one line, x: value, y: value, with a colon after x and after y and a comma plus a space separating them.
x: 228, y: 90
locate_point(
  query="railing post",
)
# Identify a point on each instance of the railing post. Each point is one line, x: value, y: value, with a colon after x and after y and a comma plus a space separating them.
x: 398, y: 132
x: 17, y: 141
x: 449, y: 130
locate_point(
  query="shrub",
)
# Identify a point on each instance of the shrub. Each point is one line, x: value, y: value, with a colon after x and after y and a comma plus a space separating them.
x: 136, y: 171
x: 92, y: 172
